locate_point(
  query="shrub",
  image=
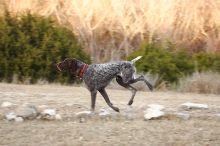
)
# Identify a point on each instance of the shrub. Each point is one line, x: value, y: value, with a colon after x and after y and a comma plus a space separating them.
x: 168, y: 63
x: 31, y: 45
x: 204, y: 82
x: 207, y: 61
x: 172, y: 64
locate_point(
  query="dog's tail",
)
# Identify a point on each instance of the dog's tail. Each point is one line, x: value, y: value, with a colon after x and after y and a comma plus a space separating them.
x: 136, y: 59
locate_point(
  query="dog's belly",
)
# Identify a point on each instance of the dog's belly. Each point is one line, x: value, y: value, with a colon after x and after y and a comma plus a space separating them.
x: 100, y: 75
x: 96, y: 84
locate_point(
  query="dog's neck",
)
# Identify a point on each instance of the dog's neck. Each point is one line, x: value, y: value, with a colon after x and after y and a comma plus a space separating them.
x: 83, y: 68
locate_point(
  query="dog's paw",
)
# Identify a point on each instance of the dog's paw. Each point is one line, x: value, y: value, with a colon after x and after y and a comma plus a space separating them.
x: 116, y: 109
x: 150, y: 87
x: 130, y: 102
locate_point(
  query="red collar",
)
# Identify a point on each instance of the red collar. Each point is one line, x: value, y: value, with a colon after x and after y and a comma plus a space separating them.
x: 82, y: 70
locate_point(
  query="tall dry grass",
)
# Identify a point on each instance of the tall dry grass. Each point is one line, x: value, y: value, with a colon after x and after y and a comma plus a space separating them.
x: 111, y: 29
x: 204, y: 82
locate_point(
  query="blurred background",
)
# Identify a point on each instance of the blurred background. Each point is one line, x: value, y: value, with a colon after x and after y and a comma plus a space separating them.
x: 179, y: 40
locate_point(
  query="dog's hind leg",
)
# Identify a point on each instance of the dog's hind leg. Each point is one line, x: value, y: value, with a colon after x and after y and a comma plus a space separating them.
x: 141, y: 78
x: 127, y: 86
x: 105, y: 95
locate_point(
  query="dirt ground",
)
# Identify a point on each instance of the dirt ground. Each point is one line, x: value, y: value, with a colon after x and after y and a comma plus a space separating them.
x: 202, y: 129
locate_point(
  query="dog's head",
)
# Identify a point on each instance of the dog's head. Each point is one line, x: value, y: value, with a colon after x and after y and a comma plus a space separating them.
x: 71, y: 65
x: 127, y: 72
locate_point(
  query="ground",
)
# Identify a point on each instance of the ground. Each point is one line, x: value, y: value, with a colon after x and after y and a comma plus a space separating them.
x: 202, y: 129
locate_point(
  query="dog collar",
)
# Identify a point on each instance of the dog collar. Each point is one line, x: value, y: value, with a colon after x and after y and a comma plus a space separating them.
x: 82, y: 70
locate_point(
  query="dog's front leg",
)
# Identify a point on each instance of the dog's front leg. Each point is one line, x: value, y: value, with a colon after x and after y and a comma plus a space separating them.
x: 127, y: 86
x: 105, y: 95
x: 93, y: 99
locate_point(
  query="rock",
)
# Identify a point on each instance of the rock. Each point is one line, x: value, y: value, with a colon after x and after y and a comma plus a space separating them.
x: 58, y: 117
x: 42, y: 106
x: 84, y: 114
x: 69, y: 104
x: 183, y: 116
x: 189, y: 105
x: 19, y: 119
x: 104, y: 113
x: 152, y: 113
x: 82, y: 120
x: 7, y: 104
x: 10, y: 116
x: 49, y: 114
x: 80, y: 138
x: 27, y: 111
x: 13, y: 117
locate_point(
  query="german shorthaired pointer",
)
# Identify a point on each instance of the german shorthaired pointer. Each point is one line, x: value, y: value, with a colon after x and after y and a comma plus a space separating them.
x: 98, y: 76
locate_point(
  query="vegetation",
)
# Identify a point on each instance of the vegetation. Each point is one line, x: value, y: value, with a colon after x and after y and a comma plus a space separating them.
x: 200, y: 82
x: 31, y: 45
x: 172, y: 64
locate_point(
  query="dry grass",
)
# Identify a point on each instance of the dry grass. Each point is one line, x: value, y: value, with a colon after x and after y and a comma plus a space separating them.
x: 113, y: 28
x: 206, y: 82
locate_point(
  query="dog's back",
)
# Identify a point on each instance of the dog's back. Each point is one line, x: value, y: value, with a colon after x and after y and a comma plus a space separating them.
x: 99, y: 76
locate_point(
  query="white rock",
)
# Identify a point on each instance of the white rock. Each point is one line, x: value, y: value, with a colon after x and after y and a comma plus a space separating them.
x: 80, y: 138
x: 84, y: 114
x: 69, y: 104
x: 10, y: 116
x: 190, y: 105
x: 152, y: 113
x: 7, y: 104
x: 104, y: 113
x: 42, y: 106
x: 19, y: 119
x: 50, y: 112
x: 183, y: 116
x: 82, y: 120
x: 58, y: 117
x: 27, y: 111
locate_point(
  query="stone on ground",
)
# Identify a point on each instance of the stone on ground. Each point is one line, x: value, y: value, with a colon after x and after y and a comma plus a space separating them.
x: 190, y: 105
x: 10, y: 116
x: 7, y: 104
x: 27, y: 111
x: 50, y: 114
x: 154, y: 112
x: 19, y: 119
x: 84, y: 114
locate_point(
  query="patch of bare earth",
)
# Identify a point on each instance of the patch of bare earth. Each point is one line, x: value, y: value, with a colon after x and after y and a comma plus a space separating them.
x: 202, y: 129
